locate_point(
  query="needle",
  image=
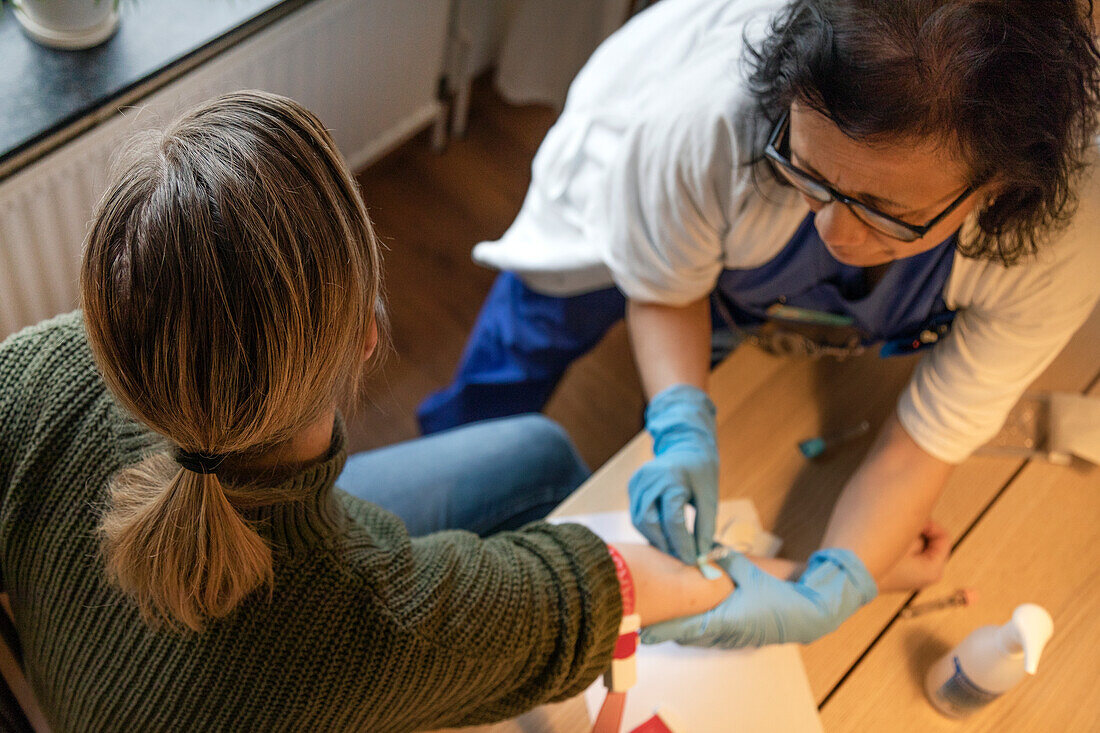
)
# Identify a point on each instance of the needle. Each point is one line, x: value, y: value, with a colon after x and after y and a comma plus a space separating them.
x: 814, y: 447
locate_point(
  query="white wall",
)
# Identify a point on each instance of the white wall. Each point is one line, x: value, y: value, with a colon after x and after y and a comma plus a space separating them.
x: 538, y: 46
x: 368, y: 68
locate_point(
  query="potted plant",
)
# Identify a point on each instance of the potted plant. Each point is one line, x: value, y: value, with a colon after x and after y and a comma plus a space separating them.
x: 69, y: 24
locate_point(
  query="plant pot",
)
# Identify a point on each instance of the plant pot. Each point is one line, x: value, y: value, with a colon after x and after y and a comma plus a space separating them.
x: 69, y: 24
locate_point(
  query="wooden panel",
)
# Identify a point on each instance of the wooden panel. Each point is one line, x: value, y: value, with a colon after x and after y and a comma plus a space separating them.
x: 1040, y: 542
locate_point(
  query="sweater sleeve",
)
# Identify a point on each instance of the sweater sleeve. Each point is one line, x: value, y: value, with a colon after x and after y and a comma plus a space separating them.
x: 531, y: 616
x: 36, y: 364
x: 558, y: 611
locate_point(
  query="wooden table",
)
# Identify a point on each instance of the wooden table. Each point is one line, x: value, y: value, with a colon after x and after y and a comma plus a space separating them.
x: 1022, y: 531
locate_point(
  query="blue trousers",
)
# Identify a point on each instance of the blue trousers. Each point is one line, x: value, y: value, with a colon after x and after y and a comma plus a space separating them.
x: 485, y: 478
x: 520, y: 347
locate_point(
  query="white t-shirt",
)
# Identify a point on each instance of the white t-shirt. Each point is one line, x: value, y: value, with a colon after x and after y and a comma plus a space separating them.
x: 641, y: 183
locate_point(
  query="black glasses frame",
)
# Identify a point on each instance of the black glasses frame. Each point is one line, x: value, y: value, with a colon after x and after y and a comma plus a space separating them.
x: 794, y: 174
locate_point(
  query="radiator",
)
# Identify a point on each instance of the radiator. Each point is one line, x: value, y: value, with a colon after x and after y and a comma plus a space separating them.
x: 368, y: 68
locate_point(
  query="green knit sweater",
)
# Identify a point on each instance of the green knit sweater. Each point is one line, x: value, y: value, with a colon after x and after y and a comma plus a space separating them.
x: 367, y: 629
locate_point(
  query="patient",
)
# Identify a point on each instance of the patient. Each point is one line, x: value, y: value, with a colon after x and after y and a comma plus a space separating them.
x: 175, y: 549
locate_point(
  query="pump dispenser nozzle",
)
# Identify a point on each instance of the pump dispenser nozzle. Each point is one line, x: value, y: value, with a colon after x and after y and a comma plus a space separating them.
x: 1029, y: 630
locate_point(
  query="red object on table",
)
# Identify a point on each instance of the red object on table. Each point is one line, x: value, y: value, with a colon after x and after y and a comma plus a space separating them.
x: 653, y: 725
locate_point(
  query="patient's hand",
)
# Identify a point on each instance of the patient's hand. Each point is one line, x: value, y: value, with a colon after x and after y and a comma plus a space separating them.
x: 922, y: 564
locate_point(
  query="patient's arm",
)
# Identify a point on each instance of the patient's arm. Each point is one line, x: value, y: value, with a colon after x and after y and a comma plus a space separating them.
x: 666, y: 588
x: 887, y: 501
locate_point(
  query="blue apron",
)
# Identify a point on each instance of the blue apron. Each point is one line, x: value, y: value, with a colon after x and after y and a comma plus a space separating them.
x: 524, y: 341
x: 904, y: 309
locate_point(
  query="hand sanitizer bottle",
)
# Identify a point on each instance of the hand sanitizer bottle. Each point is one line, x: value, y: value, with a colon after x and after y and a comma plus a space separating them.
x: 989, y: 662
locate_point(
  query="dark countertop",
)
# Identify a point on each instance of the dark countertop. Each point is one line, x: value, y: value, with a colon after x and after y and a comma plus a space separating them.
x: 48, y: 96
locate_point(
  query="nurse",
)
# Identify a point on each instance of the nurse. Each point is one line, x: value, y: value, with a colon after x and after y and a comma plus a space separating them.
x: 827, y: 174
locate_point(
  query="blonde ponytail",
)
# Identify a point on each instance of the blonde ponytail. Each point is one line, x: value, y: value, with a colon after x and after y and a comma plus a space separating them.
x: 231, y: 286
x: 176, y: 545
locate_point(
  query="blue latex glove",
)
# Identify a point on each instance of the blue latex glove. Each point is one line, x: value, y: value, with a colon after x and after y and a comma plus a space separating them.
x: 765, y: 610
x: 684, y: 470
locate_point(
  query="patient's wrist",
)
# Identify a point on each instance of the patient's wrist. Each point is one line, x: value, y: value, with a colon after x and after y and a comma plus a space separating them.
x: 666, y: 588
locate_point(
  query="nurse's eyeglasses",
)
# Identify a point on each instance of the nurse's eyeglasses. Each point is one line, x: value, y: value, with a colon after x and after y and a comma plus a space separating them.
x: 822, y: 192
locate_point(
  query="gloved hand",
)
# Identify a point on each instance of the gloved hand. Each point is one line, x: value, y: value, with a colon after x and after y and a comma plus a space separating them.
x: 684, y: 470
x: 765, y: 610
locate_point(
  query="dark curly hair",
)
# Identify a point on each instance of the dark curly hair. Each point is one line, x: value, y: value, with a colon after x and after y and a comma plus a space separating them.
x: 1012, y: 85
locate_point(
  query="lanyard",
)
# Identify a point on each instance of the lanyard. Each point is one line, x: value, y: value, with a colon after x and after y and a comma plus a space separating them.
x: 784, y: 342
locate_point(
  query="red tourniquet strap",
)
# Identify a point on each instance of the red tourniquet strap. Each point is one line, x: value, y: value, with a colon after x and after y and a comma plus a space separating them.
x: 611, y: 713
x: 626, y: 580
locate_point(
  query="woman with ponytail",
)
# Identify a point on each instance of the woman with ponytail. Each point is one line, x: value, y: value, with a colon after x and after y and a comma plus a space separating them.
x: 184, y: 542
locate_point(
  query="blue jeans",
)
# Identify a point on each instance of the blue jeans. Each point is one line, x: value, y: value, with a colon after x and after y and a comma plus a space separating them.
x: 485, y: 477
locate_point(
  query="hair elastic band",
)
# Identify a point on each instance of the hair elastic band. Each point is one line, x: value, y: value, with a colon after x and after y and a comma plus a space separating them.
x: 204, y: 463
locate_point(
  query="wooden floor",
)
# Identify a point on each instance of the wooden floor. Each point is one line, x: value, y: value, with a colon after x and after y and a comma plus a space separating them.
x: 430, y: 210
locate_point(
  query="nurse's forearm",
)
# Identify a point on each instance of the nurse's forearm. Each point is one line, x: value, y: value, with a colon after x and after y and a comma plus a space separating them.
x: 887, y: 501
x: 671, y: 344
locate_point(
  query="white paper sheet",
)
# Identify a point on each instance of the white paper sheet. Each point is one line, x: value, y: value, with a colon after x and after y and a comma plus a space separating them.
x: 711, y: 691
